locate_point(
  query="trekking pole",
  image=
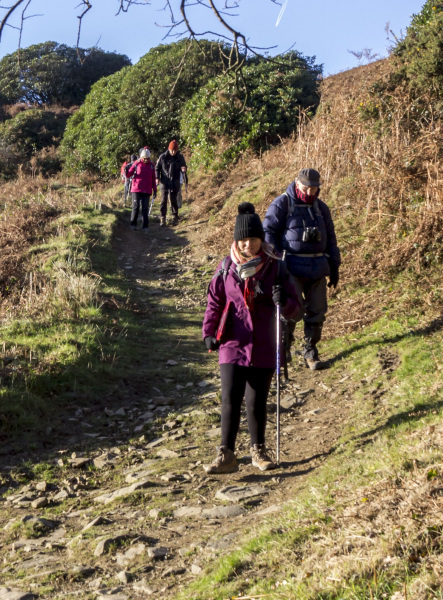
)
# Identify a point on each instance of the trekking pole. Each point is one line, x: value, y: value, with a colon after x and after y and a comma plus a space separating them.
x: 278, y: 382
x: 277, y: 368
x: 152, y: 202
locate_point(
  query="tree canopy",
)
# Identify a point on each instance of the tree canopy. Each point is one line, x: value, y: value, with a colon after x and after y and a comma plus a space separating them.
x: 51, y: 73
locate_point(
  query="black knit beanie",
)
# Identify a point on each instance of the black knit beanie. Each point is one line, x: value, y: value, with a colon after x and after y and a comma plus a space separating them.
x: 247, y: 223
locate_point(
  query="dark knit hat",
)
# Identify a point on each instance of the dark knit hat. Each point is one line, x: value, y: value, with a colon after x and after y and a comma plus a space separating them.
x: 309, y: 177
x: 247, y: 223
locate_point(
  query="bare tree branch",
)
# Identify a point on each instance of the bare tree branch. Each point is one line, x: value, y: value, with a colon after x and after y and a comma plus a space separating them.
x: 88, y: 6
x: 6, y: 18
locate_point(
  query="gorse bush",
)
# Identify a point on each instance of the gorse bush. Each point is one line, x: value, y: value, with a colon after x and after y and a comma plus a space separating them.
x: 227, y: 117
x: 138, y: 106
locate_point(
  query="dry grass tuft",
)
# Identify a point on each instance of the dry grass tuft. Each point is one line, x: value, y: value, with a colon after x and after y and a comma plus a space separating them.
x: 381, y: 166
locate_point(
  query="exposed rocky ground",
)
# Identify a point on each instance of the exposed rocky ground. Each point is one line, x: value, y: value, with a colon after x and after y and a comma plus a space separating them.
x: 133, y: 520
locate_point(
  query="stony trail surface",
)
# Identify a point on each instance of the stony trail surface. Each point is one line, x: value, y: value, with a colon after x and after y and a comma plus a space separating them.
x: 131, y: 520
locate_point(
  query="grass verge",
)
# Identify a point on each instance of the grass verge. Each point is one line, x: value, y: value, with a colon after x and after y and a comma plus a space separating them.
x: 367, y: 524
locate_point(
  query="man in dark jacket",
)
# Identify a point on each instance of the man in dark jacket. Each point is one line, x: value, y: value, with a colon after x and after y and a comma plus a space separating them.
x: 299, y: 223
x: 168, y: 169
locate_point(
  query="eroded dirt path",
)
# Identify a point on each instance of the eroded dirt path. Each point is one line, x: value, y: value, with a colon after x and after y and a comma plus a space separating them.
x: 145, y: 519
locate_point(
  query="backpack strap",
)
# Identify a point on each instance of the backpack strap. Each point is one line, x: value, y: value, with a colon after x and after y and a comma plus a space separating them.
x: 224, y: 268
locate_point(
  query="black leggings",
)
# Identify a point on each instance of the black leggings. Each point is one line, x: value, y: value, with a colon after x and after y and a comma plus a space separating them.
x: 251, y: 383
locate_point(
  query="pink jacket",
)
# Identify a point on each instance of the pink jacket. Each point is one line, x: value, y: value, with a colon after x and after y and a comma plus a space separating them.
x: 143, y: 177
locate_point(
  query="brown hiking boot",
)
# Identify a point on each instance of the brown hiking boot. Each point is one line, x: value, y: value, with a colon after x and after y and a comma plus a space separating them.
x: 261, y: 458
x: 225, y: 462
x: 315, y: 364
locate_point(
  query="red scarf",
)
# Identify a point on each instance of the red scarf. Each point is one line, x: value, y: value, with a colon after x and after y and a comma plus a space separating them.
x: 304, y: 197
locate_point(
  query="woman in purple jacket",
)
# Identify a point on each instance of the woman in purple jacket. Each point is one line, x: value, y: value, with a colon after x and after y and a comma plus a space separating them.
x: 143, y: 185
x: 240, y: 321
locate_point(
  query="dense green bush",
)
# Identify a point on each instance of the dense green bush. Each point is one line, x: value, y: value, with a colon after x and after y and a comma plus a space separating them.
x: 51, y: 73
x: 420, y: 54
x: 223, y: 118
x: 138, y: 106
x: 32, y: 130
x: 26, y: 135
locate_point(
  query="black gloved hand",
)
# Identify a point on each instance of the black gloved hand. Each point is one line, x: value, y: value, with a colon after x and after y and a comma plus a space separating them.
x: 279, y: 295
x: 333, y: 277
x: 211, y: 343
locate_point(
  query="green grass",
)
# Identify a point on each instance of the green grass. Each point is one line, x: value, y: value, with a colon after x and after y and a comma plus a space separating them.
x: 292, y: 557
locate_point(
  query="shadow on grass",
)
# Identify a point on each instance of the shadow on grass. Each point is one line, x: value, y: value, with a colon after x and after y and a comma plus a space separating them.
x: 435, y: 325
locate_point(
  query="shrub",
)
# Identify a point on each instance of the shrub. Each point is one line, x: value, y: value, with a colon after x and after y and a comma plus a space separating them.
x: 224, y: 119
x: 138, y: 106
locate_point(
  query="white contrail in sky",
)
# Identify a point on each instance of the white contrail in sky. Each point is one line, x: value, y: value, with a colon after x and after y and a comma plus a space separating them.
x: 281, y: 13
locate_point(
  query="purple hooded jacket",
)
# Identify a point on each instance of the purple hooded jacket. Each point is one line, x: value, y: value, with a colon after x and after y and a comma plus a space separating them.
x: 250, y: 335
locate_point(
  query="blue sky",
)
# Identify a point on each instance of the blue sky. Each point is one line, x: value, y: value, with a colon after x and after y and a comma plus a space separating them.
x: 322, y: 28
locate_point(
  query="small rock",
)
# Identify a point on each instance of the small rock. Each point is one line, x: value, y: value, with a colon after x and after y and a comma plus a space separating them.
x: 124, y: 577
x: 234, y: 493
x: 96, y: 522
x: 62, y: 495
x: 121, y: 412
x: 41, y: 486
x: 172, y: 477
x: 40, y: 502
x: 172, y: 363
x: 158, y: 553
x: 136, y: 550
x: 105, y: 543
x: 203, y: 384
x: 8, y: 594
x: 223, y: 512
x: 187, y: 511
x: 166, y: 453
x: 78, y: 463
x: 142, y: 587
x: 196, y: 569
x: 173, y: 571
x: 121, y: 493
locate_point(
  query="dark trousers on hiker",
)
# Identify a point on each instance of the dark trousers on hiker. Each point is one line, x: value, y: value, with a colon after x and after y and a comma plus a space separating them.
x: 172, y: 195
x: 139, y: 199
x: 252, y: 384
x: 127, y: 190
x: 313, y: 312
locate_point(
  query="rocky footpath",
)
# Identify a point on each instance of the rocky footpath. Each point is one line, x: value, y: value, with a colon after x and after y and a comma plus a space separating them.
x: 138, y: 519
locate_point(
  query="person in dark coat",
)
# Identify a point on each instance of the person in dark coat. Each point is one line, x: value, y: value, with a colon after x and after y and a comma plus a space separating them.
x: 168, y: 169
x: 242, y: 295
x: 300, y: 224
x: 142, y: 172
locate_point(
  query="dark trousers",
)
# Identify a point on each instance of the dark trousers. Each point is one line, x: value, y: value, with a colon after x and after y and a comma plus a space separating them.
x: 140, y: 199
x: 127, y: 189
x: 252, y: 384
x: 313, y: 312
x: 172, y: 194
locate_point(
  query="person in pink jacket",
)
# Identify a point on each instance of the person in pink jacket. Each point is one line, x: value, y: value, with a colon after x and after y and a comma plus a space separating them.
x: 143, y: 185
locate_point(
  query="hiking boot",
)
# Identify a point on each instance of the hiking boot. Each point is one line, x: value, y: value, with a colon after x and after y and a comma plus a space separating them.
x: 261, y: 458
x: 133, y: 227
x: 225, y: 462
x: 162, y: 221
x: 314, y: 364
x: 175, y: 220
